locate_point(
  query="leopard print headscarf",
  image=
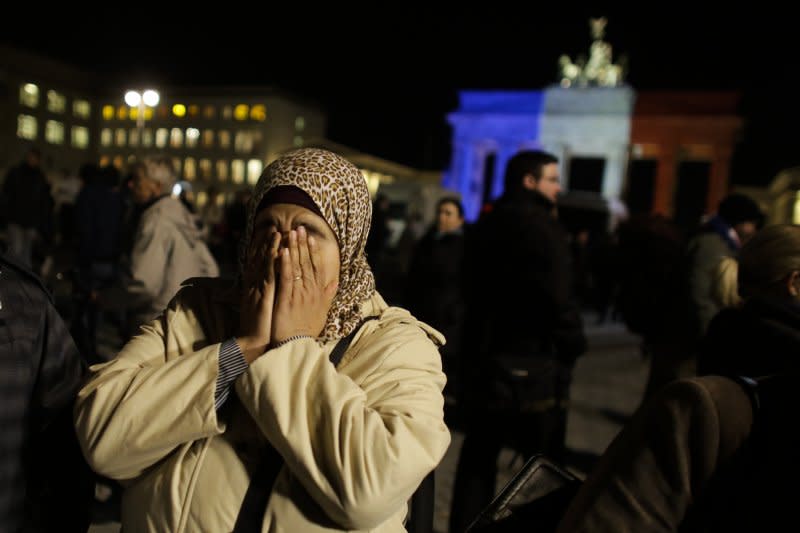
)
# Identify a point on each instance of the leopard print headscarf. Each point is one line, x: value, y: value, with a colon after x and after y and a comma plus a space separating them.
x: 340, y: 192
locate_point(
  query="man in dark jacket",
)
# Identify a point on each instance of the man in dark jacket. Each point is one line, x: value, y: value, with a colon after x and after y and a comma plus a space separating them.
x: 45, y: 485
x: 520, y: 307
x: 28, y: 206
x: 98, y: 216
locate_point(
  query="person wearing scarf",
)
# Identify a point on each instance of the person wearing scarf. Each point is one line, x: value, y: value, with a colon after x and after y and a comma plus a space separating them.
x: 721, y: 236
x: 232, y: 381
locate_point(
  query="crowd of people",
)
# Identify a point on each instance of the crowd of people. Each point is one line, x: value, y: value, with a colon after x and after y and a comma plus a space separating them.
x: 275, y: 371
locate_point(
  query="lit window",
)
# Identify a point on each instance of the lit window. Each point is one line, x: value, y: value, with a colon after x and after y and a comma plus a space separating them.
x: 134, y: 113
x: 208, y: 139
x: 148, y: 113
x: 179, y: 110
x: 118, y: 162
x: 300, y: 123
x: 192, y: 135
x: 108, y: 112
x: 106, y: 137
x: 205, y: 169
x: 222, y: 170
x: 119, y: 137
x: 147, y: 137
x: 209, y: 111
x: 224, y: 139
x: 104, y: 160
x: 133, y: 137
x: 193, y: 110
x: 81, y: 109
x: 190, y: 169
x: 240, y: 112
x: 80, y: 137
x: 297, y: 141
x: 122, y: 112
x: 237, y: 171
x: 254, y: 167
x: 29, y: 95
x: 176, y: 164
x: 26, y: 127
x: 54, y: 132
x: 56, y: 102
x: 227, y: 112
x: 176, y: 138
x: 259, y: 113
x: 244, y: 142
x: 202, y: 198
x: 162, y: 135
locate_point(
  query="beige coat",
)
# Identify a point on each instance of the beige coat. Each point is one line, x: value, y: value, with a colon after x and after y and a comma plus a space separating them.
x: 168, y: 248
x: 356, y: 442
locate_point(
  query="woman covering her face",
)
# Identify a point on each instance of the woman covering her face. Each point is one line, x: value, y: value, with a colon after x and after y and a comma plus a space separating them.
x: 236, y: 406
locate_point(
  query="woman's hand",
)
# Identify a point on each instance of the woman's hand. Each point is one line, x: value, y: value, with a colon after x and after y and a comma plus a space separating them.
x: 258, y: 299
x: 304, y: 298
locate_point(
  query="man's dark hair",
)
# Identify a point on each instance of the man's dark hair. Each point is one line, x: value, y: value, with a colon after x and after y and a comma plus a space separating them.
x: 737, y: 208
x: 528, y: 162
x: 451, y: 200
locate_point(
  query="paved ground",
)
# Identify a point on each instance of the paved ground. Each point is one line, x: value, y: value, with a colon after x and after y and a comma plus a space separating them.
x: 608, y: 385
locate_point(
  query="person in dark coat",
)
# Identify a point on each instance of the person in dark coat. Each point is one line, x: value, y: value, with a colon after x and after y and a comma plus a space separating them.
x: 653, y: 295
x: 27, y: 206
x: 763, y: 336
x: 711, y: 453
x: 434, y: 292
x: 45, y: 485
x: 737, y: 220
x: 99, y: 213
x: 520, y: 305
x: 705, y: 454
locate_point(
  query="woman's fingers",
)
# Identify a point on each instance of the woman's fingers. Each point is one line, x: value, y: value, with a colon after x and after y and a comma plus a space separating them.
x: 306, y: 268
x: 329, y: 292
x: 294, y: 255
x: 271, y: 255
x: 286, y: 276
x: 315, y: 257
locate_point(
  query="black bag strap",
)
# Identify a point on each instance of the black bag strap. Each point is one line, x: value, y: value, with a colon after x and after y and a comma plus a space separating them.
x: 251, y: 513
x: 344, y: 343
x: 420, y: 507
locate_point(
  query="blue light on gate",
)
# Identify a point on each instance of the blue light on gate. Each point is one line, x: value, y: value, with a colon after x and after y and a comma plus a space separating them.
x: 489, y: 122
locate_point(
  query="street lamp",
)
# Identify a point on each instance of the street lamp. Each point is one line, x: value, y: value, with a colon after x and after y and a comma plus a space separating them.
x: 141, y: 101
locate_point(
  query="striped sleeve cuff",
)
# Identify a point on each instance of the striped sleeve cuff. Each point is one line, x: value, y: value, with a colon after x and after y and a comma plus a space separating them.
x: 231, y: 366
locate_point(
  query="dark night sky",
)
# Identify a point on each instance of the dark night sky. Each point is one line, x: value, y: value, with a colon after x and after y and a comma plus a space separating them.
x: 388, y: 76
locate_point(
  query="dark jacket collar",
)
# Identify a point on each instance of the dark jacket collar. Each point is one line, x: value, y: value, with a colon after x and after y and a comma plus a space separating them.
x: 527, y: 197
x: 785, y: 314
